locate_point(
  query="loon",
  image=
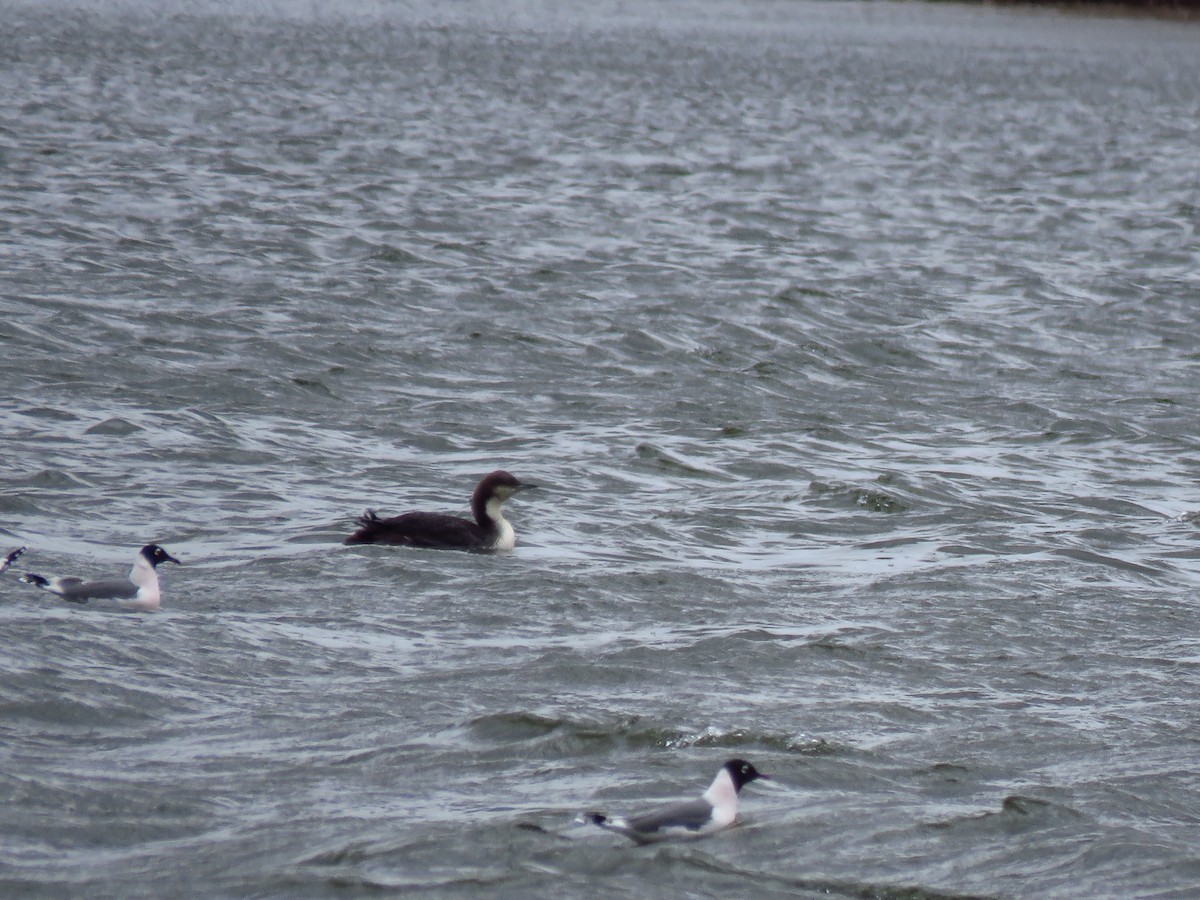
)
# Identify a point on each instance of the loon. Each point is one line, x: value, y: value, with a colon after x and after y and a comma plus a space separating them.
x: 715, y: 810
x: 490, y: 530
x: 137, y: 592
x: 10, y: 559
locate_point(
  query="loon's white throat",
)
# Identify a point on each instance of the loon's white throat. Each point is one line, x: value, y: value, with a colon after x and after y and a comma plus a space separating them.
x: 505, y: 538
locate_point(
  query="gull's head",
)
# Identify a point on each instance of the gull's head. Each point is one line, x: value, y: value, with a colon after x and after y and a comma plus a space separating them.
x: 742, y: 772
x: 155, y: 554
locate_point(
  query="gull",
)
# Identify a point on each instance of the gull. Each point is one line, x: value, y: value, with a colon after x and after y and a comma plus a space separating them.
x: 713, y: 811
x: 137, y: 592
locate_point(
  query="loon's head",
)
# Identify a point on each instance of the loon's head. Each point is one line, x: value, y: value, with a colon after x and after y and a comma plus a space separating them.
x: 742, y: 773
x: 155, y: 554
x: 499, y: 485
x: 491, y: 492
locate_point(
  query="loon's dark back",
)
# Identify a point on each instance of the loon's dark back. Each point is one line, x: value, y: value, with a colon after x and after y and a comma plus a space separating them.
x: 434, y: 531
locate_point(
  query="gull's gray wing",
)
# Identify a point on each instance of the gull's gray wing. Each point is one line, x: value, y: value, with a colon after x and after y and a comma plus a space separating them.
x: 690, y: 815
x: 79, y: 591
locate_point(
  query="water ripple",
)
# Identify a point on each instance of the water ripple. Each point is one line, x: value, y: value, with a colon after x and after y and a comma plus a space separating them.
x: 852, y: 347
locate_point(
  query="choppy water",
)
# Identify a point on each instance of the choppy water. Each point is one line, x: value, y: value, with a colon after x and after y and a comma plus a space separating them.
x: 855, y: 347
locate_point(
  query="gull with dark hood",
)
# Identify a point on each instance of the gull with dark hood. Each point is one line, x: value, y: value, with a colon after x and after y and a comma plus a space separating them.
x: 140, y: 591
x: 714, y: 810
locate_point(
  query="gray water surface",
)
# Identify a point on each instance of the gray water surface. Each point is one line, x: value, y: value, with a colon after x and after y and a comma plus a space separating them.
x: 855, y: 348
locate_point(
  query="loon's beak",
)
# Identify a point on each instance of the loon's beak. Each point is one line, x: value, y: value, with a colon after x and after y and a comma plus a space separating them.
x: 525, y: 487
x: 170, y: 558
